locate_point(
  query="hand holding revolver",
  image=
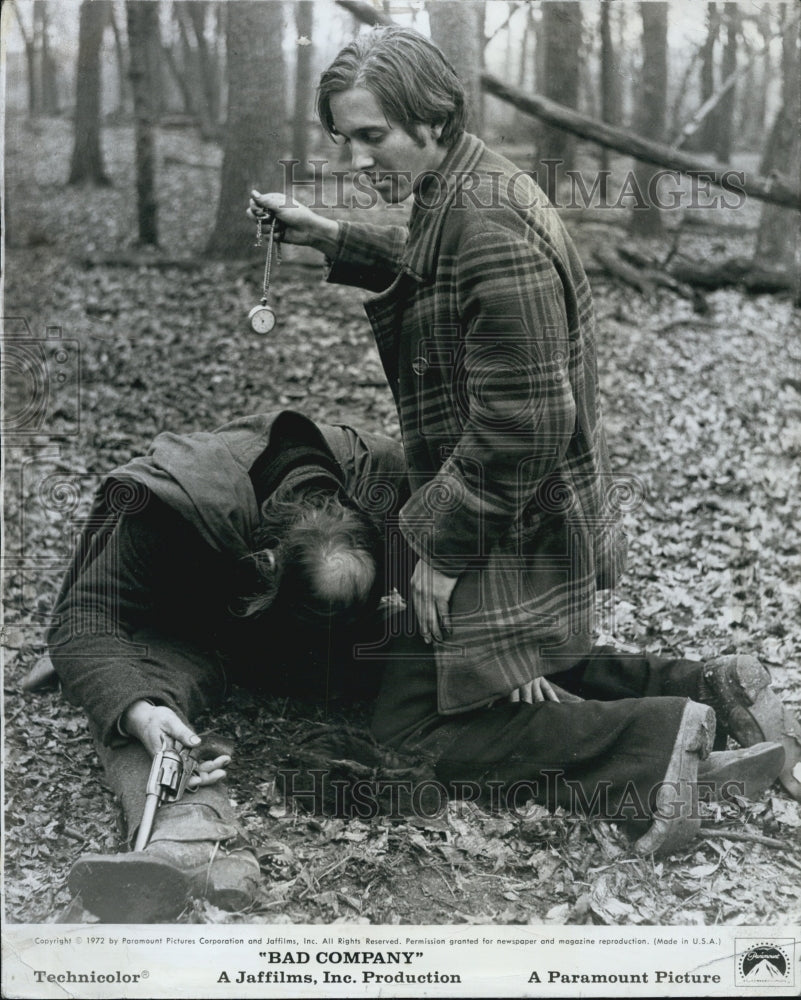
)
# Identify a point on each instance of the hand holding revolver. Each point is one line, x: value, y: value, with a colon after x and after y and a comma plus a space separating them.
x: 153, y: 725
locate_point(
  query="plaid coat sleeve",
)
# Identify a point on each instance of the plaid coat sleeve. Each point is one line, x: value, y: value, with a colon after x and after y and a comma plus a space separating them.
x: 514, y: 401
x: 367, y: 256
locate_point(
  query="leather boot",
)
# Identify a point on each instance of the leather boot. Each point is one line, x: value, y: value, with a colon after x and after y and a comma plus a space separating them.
x: 747, y: 772
x: 676, y: 815
x: 192, y: 852
x: 738, y: 688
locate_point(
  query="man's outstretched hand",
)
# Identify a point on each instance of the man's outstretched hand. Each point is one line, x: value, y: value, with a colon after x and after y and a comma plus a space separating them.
x: 152, y: 724
x: 301, y: 225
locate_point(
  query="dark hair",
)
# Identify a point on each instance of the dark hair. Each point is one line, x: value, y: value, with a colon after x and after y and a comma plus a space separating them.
x: 318, y: 552
x: 407, y: 74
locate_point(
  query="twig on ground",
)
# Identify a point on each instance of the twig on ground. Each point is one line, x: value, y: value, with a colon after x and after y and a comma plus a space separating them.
x: 748, y: 838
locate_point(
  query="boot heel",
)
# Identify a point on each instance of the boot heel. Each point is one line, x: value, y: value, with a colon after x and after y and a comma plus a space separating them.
x: 676, y: 817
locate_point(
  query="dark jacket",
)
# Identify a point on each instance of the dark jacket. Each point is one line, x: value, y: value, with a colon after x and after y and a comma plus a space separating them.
x: 485, y: 327
x: 145, y: 610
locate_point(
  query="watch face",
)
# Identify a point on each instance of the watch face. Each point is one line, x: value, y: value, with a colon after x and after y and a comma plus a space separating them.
x: 262, y: 319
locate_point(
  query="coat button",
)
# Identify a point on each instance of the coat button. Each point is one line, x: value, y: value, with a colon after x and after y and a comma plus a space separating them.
x: 420, y: 366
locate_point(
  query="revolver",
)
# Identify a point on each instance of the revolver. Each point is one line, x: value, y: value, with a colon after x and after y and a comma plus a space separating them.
x: 169, y: 775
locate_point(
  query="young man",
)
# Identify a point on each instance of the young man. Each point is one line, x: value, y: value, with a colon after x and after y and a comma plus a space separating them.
x: 485, y: 327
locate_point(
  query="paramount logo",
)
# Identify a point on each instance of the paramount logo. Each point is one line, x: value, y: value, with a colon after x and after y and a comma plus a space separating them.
x: 764, y: 963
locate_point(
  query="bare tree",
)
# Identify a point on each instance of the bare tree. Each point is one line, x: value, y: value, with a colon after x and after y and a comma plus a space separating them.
x: 526, y: 72
x: 123, y: 81
x: 29, y: 41
x: 196, y: 12
x: 778, y: 236
x: 704, y: 138
x: 610, y: 72
x: 610, y: 87
x: 724, y: 113
x: 456, y: 26
x: 647, y: 220
x: 255, y: 127
x: 304, y: 23
x: 87, y: 154
x: 47, y: 67
x: 144, y: 41
x: 561, y: 22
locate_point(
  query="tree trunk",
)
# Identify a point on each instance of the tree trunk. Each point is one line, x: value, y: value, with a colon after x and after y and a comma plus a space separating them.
x: 87, y: 155
x: 610, y: 71
x: 778, y: 236
x: 189, y: 59
x: 651, y: 115
x: 610, y: 87
x: 725, y: 109
x: 196, y: 11
x: 29, y: 41
x: 761, y: 96
x: 525, y: 69
x: 621, y: 32
x: 705, y: 136
x: 749, y: 124
x: 254, y: 130
x: 304, y: 22
x: 49, y: 89
x: 123, y: 82
x: 186, y: 91
x: 455, y: 29
x: 143, y: 39
x: 33, y: 83
x: 561, y: 23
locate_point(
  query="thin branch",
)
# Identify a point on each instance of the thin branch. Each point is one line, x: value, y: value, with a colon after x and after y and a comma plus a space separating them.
x: 748, y: 838
x: 27, y: 40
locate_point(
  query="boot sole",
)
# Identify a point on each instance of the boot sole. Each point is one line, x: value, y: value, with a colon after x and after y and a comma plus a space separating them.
x: 766, y: 719
x: 676, y: 816
x: 129, y: 888
x: 748, y: 772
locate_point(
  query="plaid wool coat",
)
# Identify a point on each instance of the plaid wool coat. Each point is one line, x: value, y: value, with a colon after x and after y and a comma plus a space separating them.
x: 485, y: 327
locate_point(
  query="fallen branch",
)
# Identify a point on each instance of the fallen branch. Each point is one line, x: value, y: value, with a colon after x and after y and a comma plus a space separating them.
x: 735, y: 271
x: 612, y: 264
x: 646, y: 274
x: 775, y: 190
x: 140, y: 260
x: 170, y: 160
x: 748, y: 838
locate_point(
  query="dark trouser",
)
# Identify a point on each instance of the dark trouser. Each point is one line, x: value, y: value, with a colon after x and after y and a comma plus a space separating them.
x: 617, y: 744
x: 599, y: 756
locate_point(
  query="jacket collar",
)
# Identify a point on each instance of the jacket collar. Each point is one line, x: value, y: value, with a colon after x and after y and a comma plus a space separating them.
x: 431, y: 204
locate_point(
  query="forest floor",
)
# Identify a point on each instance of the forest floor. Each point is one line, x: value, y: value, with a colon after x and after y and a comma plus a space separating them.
x: 704, y: 409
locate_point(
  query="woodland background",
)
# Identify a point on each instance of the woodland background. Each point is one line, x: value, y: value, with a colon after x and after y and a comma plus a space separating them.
x: 132, y: 138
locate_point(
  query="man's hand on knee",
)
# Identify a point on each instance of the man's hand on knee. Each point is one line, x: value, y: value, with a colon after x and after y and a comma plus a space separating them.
x: 537, y: 690
x: 153, y: 724
x: 431, y: 594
